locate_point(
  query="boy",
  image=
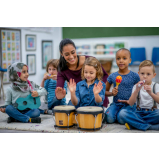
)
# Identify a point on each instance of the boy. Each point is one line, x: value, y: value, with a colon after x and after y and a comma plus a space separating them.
x: 147, y: 114
x: 124, y: 90
x: 49, y: 82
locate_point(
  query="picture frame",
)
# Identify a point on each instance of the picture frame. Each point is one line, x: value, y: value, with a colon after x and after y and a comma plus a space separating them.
x: 10, y: 49
x: 30, y: 42
x: 31, y: 63
x: 47, y: 52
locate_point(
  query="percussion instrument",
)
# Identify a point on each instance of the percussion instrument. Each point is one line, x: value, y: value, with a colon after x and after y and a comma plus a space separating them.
x: 63, y: 116
x: 89, y: 118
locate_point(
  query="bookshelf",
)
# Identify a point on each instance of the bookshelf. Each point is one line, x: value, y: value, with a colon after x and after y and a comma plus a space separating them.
x: 104, y: 52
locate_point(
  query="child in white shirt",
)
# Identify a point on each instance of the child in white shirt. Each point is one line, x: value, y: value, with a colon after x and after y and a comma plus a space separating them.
x: 146, y: 117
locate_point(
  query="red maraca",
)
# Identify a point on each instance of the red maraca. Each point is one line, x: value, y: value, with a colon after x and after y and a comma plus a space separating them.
x: 118, y: 81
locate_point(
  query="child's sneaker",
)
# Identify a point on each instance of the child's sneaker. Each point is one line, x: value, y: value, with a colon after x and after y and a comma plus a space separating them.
x: 35, y: 120
x: 128, y: 126
x: 10, y: 119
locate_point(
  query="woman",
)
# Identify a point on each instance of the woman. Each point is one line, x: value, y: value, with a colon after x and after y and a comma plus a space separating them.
x: 70, y: 65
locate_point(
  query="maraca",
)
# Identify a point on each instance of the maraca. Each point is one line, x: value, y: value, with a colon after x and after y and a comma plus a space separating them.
x: 118, y: 81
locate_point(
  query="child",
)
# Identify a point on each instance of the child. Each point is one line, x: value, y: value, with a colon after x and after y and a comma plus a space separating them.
x: 49, y: 82
x: 21, y: 87
x: 147, y: 114
x: 124, y: 90
x: 90, y: 91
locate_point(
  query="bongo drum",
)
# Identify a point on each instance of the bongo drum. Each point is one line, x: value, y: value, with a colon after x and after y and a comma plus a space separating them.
x: 89, y: 118
x: 63, y: 116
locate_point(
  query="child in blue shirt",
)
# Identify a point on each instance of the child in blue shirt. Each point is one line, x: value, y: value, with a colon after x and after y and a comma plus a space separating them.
x: 123, y: 92
x: 91, y: 90
x: 49, y: 82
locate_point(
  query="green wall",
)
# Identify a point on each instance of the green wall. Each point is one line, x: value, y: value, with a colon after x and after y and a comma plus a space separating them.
x: 96, y: 32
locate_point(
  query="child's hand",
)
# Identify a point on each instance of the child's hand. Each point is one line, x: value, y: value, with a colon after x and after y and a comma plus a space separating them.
x: 60, y: 93
x: 54, y: 77
x: 72, y: 85
x: 139, y: 85
x: 3, y: 110
x: 97, y: 87
x: 46, y: 77
x: 123, y: 101
x: 114, y: 91
x: 34, y: 94
x: 148, y: 89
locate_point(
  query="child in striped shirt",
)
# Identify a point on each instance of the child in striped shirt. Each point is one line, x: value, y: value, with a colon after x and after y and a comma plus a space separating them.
x: 49, y: 82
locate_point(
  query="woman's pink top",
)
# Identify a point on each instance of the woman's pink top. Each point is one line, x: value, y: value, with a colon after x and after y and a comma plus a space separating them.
x: 76, y: 75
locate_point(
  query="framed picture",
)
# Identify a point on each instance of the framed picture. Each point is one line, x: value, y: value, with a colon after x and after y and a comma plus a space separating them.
x: 31, y: 62
x: 30, y: 42
x: 46, y: 52
x: 10, y: 49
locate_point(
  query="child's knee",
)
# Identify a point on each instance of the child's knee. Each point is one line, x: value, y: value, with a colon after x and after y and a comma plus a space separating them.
x: 35, y: 113
x: 9, y: 109
x: 109, y: 118
x: 121, y: 115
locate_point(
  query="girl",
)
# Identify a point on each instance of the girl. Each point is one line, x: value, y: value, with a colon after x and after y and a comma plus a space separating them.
x: 90, y: 91
x: 21, y: 87
x: 121, y: 94
x: 70, y: 66
x: 49, y: 82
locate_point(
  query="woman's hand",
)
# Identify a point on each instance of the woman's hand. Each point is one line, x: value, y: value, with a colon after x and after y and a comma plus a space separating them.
x: 60, y: 93
x: 97, y: 88
x: 72, y: 85
x: 34, y: 93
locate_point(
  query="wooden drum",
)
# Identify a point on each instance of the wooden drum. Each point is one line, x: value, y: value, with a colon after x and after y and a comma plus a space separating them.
x: 63, y: 116
x: 89, y: 118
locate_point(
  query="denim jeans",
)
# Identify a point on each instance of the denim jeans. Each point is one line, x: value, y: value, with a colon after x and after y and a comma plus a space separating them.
x: 22, y: 116
x: 112, y: 113
x: 141, y: 119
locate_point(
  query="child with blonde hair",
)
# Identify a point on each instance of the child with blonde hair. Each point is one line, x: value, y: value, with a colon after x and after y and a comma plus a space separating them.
x: 146, y: 96
x: 91, y: 90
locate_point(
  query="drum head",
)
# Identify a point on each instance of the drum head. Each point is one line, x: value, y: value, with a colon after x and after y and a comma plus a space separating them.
x: 63, y: 108
x: 90, y: 110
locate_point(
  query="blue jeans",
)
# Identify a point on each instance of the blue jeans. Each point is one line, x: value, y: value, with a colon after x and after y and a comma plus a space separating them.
x: 112, y: 113
x: 141, y: 119
x: 22, y: 116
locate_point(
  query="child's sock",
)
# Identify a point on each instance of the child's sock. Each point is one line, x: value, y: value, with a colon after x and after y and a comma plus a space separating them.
x: 35, y: 120
x: 154, y: 127
x: 128, y: 126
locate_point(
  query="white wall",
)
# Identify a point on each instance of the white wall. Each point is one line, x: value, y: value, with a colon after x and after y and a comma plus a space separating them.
x: 55, y: 36
x: 136, y: 41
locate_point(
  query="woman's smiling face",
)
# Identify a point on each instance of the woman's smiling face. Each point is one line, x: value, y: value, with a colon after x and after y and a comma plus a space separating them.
x: 69, y: 54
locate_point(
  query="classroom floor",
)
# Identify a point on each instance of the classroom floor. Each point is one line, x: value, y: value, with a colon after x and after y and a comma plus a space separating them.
x: 47, y: 125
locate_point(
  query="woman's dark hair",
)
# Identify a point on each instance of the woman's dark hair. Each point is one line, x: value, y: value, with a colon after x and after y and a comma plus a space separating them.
x: 62, y: 62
